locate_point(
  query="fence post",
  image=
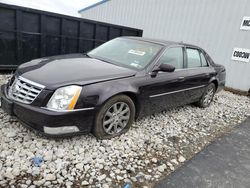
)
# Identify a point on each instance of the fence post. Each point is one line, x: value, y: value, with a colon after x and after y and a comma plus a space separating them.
x: 19, y: 46
x: 43, y: 35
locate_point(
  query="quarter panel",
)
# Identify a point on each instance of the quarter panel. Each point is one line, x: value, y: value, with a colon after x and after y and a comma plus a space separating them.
x: 199, y: 77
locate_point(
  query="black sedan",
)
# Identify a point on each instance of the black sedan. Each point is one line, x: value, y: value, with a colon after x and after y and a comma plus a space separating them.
x: 105, y: 90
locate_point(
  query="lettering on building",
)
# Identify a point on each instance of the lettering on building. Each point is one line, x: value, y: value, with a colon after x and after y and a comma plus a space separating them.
x: 240, y: 54
x: 245, y: 24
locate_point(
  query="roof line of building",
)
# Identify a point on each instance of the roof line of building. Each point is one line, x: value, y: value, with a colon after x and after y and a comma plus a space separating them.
x: 92, y: 6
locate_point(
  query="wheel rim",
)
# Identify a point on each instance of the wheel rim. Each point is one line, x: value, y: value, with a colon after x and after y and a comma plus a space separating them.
x: 116, y: 118
x: 208, y: 96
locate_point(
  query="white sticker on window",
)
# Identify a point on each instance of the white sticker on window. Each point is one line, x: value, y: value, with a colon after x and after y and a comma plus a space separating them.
x: 134, y: 64
x: 137, y: 52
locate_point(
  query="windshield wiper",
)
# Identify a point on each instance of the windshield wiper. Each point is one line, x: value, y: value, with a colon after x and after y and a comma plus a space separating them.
x: 86, y: 54
x: 104, y: 60
x: 99, y: 58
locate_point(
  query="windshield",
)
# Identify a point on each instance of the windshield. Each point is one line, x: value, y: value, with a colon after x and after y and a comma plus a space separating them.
x: 126, y: 52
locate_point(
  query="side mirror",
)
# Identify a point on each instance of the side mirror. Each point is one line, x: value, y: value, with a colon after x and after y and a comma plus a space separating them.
x: 166, y: 68
x: 163, y: 68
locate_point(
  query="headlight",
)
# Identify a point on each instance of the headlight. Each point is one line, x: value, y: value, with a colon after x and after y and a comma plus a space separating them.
x: 64, y: 98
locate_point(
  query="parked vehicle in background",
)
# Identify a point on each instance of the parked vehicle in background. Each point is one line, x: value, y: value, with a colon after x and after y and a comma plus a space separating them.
x: 104, y: 90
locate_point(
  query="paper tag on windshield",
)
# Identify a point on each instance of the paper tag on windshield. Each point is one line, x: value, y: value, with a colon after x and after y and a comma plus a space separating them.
x: 137, y: 52
x: 134, y: 64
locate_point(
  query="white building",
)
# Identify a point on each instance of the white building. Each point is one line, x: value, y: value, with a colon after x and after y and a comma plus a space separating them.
x: 212, y: 24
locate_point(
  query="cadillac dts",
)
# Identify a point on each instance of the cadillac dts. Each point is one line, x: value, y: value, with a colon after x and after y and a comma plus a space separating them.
x: 106, y: 89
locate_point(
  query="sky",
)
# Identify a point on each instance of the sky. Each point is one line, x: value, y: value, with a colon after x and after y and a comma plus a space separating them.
x: 69, y: 7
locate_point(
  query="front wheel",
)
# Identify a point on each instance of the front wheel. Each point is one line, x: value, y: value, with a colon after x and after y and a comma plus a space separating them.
x: 115, y: 117
x: 207, y: 97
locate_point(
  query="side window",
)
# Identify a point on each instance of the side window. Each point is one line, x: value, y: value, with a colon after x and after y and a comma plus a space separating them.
x: 203, y: 60
x: 193, y: 57
x: 173, y: 56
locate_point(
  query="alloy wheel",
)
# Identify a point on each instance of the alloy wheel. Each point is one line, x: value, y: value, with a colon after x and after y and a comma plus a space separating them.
x: 208, y: 96
x: 116, y: 118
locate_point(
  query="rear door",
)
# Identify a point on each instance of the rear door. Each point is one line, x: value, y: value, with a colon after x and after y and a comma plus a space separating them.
x: 199, y: 73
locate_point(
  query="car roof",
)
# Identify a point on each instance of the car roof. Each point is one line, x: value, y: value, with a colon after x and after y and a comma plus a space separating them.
x: 161, y: 42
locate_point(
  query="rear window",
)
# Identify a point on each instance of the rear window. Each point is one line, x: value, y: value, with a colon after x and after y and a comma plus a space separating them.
x: 193, y: 57
x: 203, y: 60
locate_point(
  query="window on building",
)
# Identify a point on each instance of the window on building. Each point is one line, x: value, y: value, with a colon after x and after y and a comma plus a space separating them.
x: 173, y: 56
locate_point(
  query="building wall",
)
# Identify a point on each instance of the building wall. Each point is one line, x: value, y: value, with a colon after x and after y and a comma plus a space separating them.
x: 211, y: 24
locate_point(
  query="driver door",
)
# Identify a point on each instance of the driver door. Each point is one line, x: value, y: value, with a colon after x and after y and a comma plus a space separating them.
x: 166, y: 89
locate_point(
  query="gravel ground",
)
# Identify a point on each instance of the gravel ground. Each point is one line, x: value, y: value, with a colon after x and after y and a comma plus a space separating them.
x: 154, y: 147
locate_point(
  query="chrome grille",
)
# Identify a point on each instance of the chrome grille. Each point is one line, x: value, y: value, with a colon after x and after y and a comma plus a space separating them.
x: 24, y: 90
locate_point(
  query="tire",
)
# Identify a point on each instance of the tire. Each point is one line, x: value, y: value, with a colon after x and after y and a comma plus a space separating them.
x: 115, y: 117
x: 207, y: 96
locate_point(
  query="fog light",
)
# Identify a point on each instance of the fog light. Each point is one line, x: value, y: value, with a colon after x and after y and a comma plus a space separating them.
x: 60, y: 130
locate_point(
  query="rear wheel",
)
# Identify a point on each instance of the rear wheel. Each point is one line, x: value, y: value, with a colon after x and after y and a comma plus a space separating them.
x: 115, y: 117
x: 208, y: 96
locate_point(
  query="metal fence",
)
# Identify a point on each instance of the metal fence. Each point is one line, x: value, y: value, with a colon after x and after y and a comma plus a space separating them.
x: 27, y: 34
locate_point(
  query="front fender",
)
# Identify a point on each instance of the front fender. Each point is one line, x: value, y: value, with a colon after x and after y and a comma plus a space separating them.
x: 105, y: 90
x: 111, y: 91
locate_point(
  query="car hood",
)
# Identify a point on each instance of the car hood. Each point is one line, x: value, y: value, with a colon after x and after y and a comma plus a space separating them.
x: 58, y: 71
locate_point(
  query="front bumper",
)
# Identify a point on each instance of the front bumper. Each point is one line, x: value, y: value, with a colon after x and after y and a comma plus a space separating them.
x: 41, y: 120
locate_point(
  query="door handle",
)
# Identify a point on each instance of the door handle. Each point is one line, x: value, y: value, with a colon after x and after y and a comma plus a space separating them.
x: 207, y: 75
x: 181, y: 78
